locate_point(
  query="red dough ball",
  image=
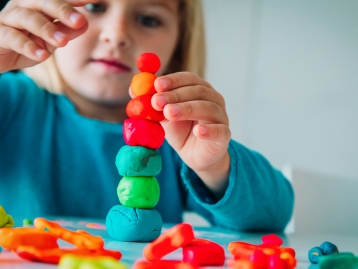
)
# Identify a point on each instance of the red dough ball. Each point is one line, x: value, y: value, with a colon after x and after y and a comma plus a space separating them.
x: 148, y: 62
x: 140, y: 108
x: 143, y: 133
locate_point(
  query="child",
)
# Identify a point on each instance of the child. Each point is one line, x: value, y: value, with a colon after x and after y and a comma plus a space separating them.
x: 57, y: 151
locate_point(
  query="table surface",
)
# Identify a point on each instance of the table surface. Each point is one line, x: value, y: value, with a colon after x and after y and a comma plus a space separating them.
x: 133, y: 251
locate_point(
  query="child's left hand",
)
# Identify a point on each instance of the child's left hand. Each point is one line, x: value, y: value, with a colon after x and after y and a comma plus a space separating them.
x: 197, y: 126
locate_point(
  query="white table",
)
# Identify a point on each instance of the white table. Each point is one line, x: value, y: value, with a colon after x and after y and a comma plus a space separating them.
x: 133, y: 251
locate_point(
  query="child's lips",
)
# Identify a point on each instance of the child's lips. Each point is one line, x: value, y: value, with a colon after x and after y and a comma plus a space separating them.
x: 112, y: 65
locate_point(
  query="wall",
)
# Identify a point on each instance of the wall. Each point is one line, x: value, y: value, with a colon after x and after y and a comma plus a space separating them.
x: 289, y: 73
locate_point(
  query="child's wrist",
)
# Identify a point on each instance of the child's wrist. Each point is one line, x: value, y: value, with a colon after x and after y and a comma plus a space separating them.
x: 216, y: 178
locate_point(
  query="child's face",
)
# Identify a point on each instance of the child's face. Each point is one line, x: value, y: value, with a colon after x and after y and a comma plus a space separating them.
x: 100, y: 64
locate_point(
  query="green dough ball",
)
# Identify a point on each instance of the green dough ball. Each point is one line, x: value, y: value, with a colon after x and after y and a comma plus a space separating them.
x: 138, y: 192
x: 5, y: 219
x: 138, y: 161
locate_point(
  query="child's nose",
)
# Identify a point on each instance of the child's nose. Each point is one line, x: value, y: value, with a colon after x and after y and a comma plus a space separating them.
x: 117, y: 34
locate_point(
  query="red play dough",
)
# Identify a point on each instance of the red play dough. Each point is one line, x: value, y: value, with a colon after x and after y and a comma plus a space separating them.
x: 162, y: 264
x: 203, y: 252
x: 148, y: 62
x: 140, y: 108
x: 272, y: 239
x: 176, y: 237
x: 143, y: 133
x: 54, y: 255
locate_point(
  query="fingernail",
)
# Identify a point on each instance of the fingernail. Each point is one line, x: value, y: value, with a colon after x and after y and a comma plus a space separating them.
x: 164, y: 84
x: 39, y: 53
x: 75, y: 16
x: 174, y: 110
x: 203, y: 130
x: 59, y: 36
x: 162, y: 101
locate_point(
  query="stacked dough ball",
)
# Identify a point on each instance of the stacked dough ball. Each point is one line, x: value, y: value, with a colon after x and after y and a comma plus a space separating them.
x: 139, y: 162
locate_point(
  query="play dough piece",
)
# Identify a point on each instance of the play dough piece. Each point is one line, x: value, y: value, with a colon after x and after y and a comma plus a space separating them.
x: 5, y: 219
x: 143, y: 84
x: 204, y: 253
x: 138, y: 161
x: 176, y: 237
x: 162, y: 264
x: 148, y: 62
x: 339, y: 261
x: 289, y: 261
x: 272, y: 239
x: 70, y: 261
x: 133, y: 225
x: 80, y: 238
x: 138, y: 192
x: 12, y: 238
x: 140, y: 108
x: 144, y: 133
x: 54, y: 255
x: 328, y: 248
x: 314, y: 255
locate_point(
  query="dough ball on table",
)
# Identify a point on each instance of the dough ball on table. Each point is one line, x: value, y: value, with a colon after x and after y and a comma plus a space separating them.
x: 133, y: 224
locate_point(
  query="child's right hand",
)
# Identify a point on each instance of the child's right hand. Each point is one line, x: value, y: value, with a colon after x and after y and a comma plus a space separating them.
x: 29, y: 32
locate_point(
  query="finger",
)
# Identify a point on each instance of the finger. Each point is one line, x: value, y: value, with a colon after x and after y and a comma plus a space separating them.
x: 59, y: 9
x: 17, y: 41
x: 36, y: 24
x: 207, y: 112
x: 131, y: 93
x: 71, y: 33
x: 177, y: 80
x: 219, y: 133
x: 185, y: 94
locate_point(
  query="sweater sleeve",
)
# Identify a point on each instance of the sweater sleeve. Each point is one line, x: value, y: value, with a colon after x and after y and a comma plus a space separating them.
x: 13, y: 87
x: 258, y: 198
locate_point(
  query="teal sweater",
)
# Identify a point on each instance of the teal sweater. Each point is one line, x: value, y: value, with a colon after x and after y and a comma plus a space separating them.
x: 53, y: 161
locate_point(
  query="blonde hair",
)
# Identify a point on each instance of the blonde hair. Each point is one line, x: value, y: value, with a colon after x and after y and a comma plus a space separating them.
x: 189, y: 55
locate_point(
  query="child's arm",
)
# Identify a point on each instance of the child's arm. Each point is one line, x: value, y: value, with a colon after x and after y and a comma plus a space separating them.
x: 29, y: 32
x: 258, y: 198
x: 249, y: 193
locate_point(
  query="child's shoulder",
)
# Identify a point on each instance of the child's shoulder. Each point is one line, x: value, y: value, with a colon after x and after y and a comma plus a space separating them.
x: 17, y: 86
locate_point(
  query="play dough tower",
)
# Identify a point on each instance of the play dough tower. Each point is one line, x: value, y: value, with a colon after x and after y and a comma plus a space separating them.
x: 138, y: 162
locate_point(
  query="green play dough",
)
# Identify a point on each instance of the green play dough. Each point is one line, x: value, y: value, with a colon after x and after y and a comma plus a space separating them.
x: 138, y: 161
x: 138, y: 192
x: 5, y: 219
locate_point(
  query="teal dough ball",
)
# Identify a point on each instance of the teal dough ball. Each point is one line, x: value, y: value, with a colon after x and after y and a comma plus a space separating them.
x: 138, y: 192
x: 133, y: 224
x: 138, y: 161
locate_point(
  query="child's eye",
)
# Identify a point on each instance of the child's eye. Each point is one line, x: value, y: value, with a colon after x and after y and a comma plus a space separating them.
x: 148, y: 21
x: 95, y: 8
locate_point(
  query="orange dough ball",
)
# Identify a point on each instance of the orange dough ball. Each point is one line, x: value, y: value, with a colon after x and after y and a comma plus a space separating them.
x: 148, y: 62
x: 143, y: 84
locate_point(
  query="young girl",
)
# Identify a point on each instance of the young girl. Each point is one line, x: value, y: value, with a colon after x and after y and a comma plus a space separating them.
x: 57, y: 151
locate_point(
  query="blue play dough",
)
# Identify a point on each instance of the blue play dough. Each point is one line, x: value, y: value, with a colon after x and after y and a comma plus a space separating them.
x: 314, y: 254
x: 138, y: 161
x: 133, y: 224
x: 329, y: 248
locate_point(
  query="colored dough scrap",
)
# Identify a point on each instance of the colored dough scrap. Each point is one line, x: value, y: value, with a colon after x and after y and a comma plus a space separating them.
x: 5, y: 220
x: 140, y: 108
x: 148, y: 62
x: 70, y: 261
x: 143, y: 84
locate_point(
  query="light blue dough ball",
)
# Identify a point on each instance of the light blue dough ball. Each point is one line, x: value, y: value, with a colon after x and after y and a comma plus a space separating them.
x: 138, y: 161
x: 133, y: 225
